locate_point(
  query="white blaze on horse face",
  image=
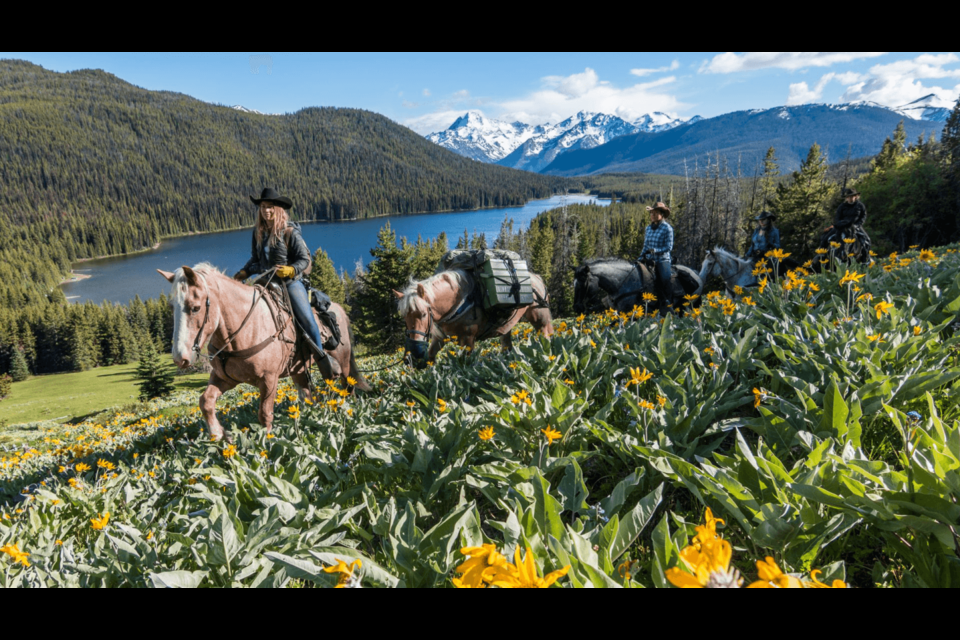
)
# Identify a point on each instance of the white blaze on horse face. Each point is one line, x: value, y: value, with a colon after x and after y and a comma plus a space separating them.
x: 181, y: 351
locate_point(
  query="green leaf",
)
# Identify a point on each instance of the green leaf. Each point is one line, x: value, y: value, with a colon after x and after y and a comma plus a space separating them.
x: 573, y: 490
x: 177, y: 579
x: 633, y: 522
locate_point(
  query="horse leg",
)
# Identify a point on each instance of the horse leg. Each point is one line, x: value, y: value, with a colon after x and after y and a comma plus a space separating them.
x: 506, y: 341
x: 208, y: 404
x: 268, y: 398
x: 540, y: 319
x: 435, y: 345
x: 302, y: 382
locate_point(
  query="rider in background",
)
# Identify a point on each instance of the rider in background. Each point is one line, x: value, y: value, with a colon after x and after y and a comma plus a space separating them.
x: 277, y: 243
x: 766, y: 237
x: 657, y: 245
x: 848, y: 223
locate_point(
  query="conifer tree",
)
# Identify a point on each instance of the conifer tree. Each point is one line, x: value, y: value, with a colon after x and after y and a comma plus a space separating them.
x: 950, y: 143
x: 802, y: 205
x: 324, y: 277
x: 768, y: 180
x: 156, y: 379
x: 6, y: 382
x: 377, y: 320
x: 18, y: 365
x: 892, y: 149
x: 541, y: 251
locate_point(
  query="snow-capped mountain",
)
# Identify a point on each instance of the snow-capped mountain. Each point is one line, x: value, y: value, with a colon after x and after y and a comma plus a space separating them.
x: 523, y: 146
x: 930, y: 107
x: 245, y: 110
x: 483, y: 139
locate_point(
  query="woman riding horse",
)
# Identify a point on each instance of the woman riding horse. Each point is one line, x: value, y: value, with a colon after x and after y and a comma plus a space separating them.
x: 766, y: 237
x: 657, y: 245
x: 277, y: 244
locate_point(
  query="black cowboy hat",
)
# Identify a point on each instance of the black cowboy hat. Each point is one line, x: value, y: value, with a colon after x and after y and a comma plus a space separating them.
x: 764, y: 215
x: 849, y: 193
x: 662, y: 208
x: 270, y: 195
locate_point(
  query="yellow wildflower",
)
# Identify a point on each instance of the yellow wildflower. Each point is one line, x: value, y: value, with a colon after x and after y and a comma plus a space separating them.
x: 926, y: 255
x: 816, y: 584
x: 876, y: 338
x: 478, y: 567
x: 523, y: 574
x: 646, y: 404
x: 14, y: 552
x: 351, y: 381
x: 229, y: 452
x: 849, y: 278
x: 661, y: 401
x: 347, y: 577
x: 748, y: 300
x: 521, y: 397
x: 80, y: 468
x: 737, y: 289
x: 638, y: 378
x: 821, y: 252
x: 551, y: 434
x: 763, y: 285
x: 99, y: 523
x: 882, y: 308
x: 771, y: 577
x: 486, y: 433
x: 849, y: 240
x: 777, y: 254
x: 108, y: 466
x: 708, y: 351
x: 917, y: 330
x: 758, y: 396
x: 649, y: 297
x: 835, y: 245
x: 441, y: 405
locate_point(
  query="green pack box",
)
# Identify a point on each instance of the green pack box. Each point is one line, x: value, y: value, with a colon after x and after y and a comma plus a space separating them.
x: 505, y: 282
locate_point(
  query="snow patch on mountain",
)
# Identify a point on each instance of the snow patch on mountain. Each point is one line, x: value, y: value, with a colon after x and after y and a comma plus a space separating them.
x: 524, y: 146
x: 930, y: 107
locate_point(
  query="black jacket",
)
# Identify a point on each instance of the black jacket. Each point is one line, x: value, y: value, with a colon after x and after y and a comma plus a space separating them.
x: 848, y: 214
x: 293, y: 252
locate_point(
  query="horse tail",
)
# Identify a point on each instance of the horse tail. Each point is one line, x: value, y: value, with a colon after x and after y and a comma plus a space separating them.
x: 355, y: 373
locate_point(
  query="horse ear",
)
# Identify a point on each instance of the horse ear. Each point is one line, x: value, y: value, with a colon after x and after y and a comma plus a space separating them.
x: 166, y: 274
x: 398, y: 294
x: 421, y: 290
x: 190, y: 275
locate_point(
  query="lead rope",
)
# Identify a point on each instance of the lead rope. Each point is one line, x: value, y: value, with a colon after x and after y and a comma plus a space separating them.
x: 196, y: 343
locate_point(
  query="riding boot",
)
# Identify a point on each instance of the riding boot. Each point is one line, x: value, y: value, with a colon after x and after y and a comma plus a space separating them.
x: 328, y: 366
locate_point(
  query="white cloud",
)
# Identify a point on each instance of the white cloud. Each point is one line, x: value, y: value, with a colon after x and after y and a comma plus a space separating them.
x: 559, y: 97
x: 732, y: 62
x: 893, y: 84
x: 646, y: 72
x: 801, y: 93
x: 426, y: 92
x: 430, y: 122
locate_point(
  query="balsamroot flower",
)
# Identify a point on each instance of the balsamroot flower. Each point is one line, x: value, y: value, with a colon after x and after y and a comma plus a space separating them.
x: 551, y: 434
x: 108, y: 466
x: 926, y: 255
x: 771, y: 577
x: 441, y: 405
x: 638, y: 378
x: 813, y: 583
x: 851, y: 278
x: 759, y: 395
x: 14, y: 552
x: 479, y: 567
x: 99, y: 524
x: 523, y: 574
x: 486, y: 433
x: 778, y: 254
x: 348, y: 579
x: 707, y: 560
x: 230, y: 451
x: 882, y: 308
x: 521, y: 397
x: 80, y: 468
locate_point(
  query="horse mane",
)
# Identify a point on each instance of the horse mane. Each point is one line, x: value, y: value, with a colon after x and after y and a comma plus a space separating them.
x: 411, y: 300
x: 729, y: 254
x: 202, y: 269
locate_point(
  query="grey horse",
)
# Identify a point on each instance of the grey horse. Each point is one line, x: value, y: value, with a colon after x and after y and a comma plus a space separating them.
x: 613, y: 283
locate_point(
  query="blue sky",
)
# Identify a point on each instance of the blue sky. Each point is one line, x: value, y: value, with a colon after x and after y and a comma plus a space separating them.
x: 427, y: 91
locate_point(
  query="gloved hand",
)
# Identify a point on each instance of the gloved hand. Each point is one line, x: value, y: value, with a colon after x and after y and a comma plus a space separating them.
x: 286, y: 272
x: 241, y: 275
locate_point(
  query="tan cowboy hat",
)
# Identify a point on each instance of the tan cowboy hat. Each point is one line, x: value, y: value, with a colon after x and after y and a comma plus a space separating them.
x: 662, y: 208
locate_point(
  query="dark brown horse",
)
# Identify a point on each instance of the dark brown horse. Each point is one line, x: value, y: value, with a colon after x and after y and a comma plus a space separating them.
x: 250, y: 339
x: 441, y: 306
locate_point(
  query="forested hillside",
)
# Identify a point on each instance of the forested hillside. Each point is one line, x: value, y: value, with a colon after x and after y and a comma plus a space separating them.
x: 97, y: 166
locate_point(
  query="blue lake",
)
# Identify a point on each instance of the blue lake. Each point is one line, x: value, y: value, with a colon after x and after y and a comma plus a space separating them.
x: 120, y: 278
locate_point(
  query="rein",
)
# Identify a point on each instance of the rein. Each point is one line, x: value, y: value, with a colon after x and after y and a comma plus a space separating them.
x: 222, y: 353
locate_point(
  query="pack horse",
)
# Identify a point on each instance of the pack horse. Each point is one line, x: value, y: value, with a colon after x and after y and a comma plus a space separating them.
x: 474, y: 295
x: 251, y: 339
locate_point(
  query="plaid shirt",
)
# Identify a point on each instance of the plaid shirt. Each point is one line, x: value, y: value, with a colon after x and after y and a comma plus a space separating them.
x: 659, y: 239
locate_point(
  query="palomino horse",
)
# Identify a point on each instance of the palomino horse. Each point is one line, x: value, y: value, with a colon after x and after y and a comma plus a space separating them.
x: 442, y: 306
x: 251, y: 340
x: 613, y: 283
x: 736, y: 271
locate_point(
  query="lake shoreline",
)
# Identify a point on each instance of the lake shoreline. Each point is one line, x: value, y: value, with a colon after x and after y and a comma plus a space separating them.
x: 313, y: 221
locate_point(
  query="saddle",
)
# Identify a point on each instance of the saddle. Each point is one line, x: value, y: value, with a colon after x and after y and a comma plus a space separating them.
x: 320, y: 302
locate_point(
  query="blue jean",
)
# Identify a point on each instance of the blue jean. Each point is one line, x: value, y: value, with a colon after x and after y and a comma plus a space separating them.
x: 663, y: 268
x: 303, y: 312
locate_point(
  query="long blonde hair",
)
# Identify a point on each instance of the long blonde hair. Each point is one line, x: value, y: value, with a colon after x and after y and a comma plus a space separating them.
x: 272, y: 230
